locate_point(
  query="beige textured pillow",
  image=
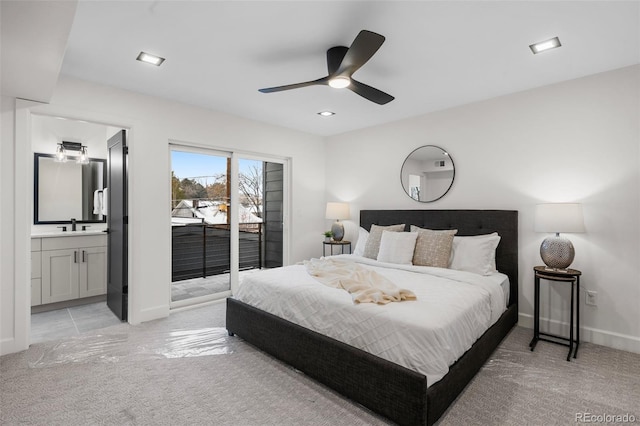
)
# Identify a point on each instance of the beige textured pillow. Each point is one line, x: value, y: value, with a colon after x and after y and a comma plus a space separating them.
x: 433, y: 248
x: 372, y: 247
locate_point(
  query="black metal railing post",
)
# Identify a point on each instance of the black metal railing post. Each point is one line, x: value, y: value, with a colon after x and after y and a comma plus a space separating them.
x: 204, y: 250
x: 260, y: 246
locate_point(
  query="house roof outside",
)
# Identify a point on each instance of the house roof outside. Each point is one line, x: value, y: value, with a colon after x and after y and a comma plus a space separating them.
x: 209, y: 212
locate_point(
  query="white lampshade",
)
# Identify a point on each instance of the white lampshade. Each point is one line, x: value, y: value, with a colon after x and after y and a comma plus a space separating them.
x: 560, y: 217
x: 337, y: 211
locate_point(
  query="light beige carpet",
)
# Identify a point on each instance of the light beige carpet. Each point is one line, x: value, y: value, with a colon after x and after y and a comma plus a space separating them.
x: 185, y: 370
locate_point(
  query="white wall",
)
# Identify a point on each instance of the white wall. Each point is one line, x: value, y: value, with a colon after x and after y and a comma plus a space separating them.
x: 577, y: 141
x: 152, y: 123
x: 7, y: 236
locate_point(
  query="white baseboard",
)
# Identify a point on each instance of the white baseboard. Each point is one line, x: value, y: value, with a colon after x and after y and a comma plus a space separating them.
x: 11, y: 345
x: 587, y: 334
x: 198, y: 302
x: 149, y: 314
x: 7, y: 346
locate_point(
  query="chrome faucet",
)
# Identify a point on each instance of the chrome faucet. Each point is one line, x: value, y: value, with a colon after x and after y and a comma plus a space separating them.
x: 73, y: 224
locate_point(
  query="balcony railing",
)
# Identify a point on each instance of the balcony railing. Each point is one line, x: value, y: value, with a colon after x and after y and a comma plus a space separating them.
x: 202, y: 250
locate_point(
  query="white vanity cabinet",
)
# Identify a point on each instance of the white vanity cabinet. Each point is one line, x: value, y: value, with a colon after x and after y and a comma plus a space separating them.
x: 36, y: 271
x: 72, y: 267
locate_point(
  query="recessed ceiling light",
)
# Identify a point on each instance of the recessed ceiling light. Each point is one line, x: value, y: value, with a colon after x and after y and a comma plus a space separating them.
x: 150, y: 59
x: 326, y: 113
x: 545, y: 45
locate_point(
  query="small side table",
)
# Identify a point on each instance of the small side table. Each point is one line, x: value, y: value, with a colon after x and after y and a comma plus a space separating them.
x: 342, y: 244
x: 571, y: 276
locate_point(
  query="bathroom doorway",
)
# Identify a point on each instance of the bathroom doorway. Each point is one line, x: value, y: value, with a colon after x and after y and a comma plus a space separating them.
x: 69, y: 243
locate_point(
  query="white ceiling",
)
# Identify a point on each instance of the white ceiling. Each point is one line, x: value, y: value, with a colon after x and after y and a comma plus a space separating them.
x: 33, y: 37
x: 437, y: 54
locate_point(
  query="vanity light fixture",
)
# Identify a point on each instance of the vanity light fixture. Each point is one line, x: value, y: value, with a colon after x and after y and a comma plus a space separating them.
x: 542, y: 46
x: 61, y: 154
x: 64, y: 146
x: 150, y: 59
x: 326, y: 113
x: 83, y: 158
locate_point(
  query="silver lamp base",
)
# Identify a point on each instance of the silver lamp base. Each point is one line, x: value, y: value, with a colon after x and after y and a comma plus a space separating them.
x: 557, y: 252
x: 337, y: 230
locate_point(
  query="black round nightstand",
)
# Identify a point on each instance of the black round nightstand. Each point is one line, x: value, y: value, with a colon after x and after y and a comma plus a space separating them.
x: 571, y: 276
x: 342, y: 244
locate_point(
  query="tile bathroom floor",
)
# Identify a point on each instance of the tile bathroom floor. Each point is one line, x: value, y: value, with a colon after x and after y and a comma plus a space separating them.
x: 67, y: 322
x: 72, y: 321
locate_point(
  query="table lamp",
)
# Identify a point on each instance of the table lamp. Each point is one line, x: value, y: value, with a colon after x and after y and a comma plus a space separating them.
x: 557, y: 252
x: 337, y: 211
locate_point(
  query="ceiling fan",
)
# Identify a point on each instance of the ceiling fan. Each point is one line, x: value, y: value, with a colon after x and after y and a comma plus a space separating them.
x: 342, y: 62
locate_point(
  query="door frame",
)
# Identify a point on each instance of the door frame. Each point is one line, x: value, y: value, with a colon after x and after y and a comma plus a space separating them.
x: 235, y: 155
x: 23, y: 206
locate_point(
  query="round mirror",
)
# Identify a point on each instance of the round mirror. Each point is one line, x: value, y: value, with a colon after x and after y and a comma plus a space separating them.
x: 427, y: 173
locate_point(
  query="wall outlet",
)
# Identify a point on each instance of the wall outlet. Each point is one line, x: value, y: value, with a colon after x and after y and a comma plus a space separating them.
x: 592, y: 298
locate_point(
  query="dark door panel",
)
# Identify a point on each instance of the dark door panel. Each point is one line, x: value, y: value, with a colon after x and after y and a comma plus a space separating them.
x: 117, y: 220
x: 273, y: 213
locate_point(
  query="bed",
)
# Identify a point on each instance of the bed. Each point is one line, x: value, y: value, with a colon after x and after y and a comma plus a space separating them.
x: 401, y: 394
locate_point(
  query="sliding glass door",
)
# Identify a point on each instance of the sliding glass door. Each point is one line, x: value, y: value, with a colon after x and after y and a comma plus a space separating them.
x: 227, y: 219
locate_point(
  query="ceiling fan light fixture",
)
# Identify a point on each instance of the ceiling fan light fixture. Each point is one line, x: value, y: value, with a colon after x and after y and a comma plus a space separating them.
x: 326, y: 113
x: 150, y: 59
x: 543, y: 46
x: 342, y: 62
x: 339, y: 82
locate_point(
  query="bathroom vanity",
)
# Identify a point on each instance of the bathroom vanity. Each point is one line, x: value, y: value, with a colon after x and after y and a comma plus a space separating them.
x: 67, y: 266
x: 68, y: 261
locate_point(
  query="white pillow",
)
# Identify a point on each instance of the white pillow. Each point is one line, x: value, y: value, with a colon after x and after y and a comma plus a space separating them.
x: 475, y: 254
x: 372, y: 247
x: 363, y: 236
x: 397, y: 247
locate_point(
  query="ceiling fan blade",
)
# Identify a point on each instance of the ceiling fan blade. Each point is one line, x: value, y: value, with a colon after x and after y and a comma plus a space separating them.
x: 370, y: 93
x: 365, y: 45
x: 322, y: 80
x: 335, y: 55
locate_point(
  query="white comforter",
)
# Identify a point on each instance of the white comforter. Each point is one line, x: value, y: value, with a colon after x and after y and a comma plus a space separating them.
x: 453, y: 309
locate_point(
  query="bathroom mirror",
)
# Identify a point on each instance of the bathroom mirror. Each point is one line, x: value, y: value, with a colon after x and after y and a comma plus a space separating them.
x: 63, y: 191
x: 427, y: 173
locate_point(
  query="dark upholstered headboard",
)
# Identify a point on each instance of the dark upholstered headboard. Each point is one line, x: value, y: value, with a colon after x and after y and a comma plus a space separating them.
x: 467, y: 222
